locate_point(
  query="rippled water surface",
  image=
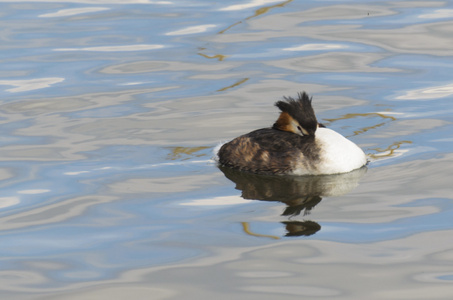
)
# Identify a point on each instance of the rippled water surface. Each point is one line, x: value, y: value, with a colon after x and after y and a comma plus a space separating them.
x: 110, y: 111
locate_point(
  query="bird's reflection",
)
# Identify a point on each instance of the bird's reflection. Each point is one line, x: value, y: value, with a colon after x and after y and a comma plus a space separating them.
x: 300, y: 193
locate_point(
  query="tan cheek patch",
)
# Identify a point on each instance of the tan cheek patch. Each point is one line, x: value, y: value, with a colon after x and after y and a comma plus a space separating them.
x: 286, y: 123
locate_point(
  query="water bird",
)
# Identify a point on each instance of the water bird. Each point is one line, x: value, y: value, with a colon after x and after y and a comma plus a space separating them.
x: 296, y: 144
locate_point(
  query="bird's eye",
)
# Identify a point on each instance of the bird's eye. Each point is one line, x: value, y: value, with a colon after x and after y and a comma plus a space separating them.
x: 303, y: 130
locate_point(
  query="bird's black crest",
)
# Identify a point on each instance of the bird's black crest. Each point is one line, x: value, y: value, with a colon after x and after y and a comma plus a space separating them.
x: 301, y: 110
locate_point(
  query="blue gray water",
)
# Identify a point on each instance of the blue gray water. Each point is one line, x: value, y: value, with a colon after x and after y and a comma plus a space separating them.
x: 110, y: 111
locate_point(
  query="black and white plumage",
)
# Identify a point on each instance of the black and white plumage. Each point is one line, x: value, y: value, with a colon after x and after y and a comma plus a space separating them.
x: 297, y: 144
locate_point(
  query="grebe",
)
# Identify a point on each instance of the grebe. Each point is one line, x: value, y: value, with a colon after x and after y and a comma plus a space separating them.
x: 295, y: 145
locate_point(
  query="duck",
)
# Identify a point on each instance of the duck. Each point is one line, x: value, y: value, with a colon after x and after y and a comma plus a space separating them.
x: 296, y: 144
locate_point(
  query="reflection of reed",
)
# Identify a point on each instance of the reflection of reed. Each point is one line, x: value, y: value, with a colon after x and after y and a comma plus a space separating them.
x: 265, y: 9
x: 365, y: 129
x: 258, y: 12
x: 246, y: 228
x: 229, y: 27
x: 355, y: 115
x: 239, y: 82
x: 219, y: 57
x: 185, y: 152
x: 383, y: 153
x: 389, y: 151
x: 300, y: 193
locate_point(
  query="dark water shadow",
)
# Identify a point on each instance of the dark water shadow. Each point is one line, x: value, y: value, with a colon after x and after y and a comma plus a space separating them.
x: 300, y: 193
